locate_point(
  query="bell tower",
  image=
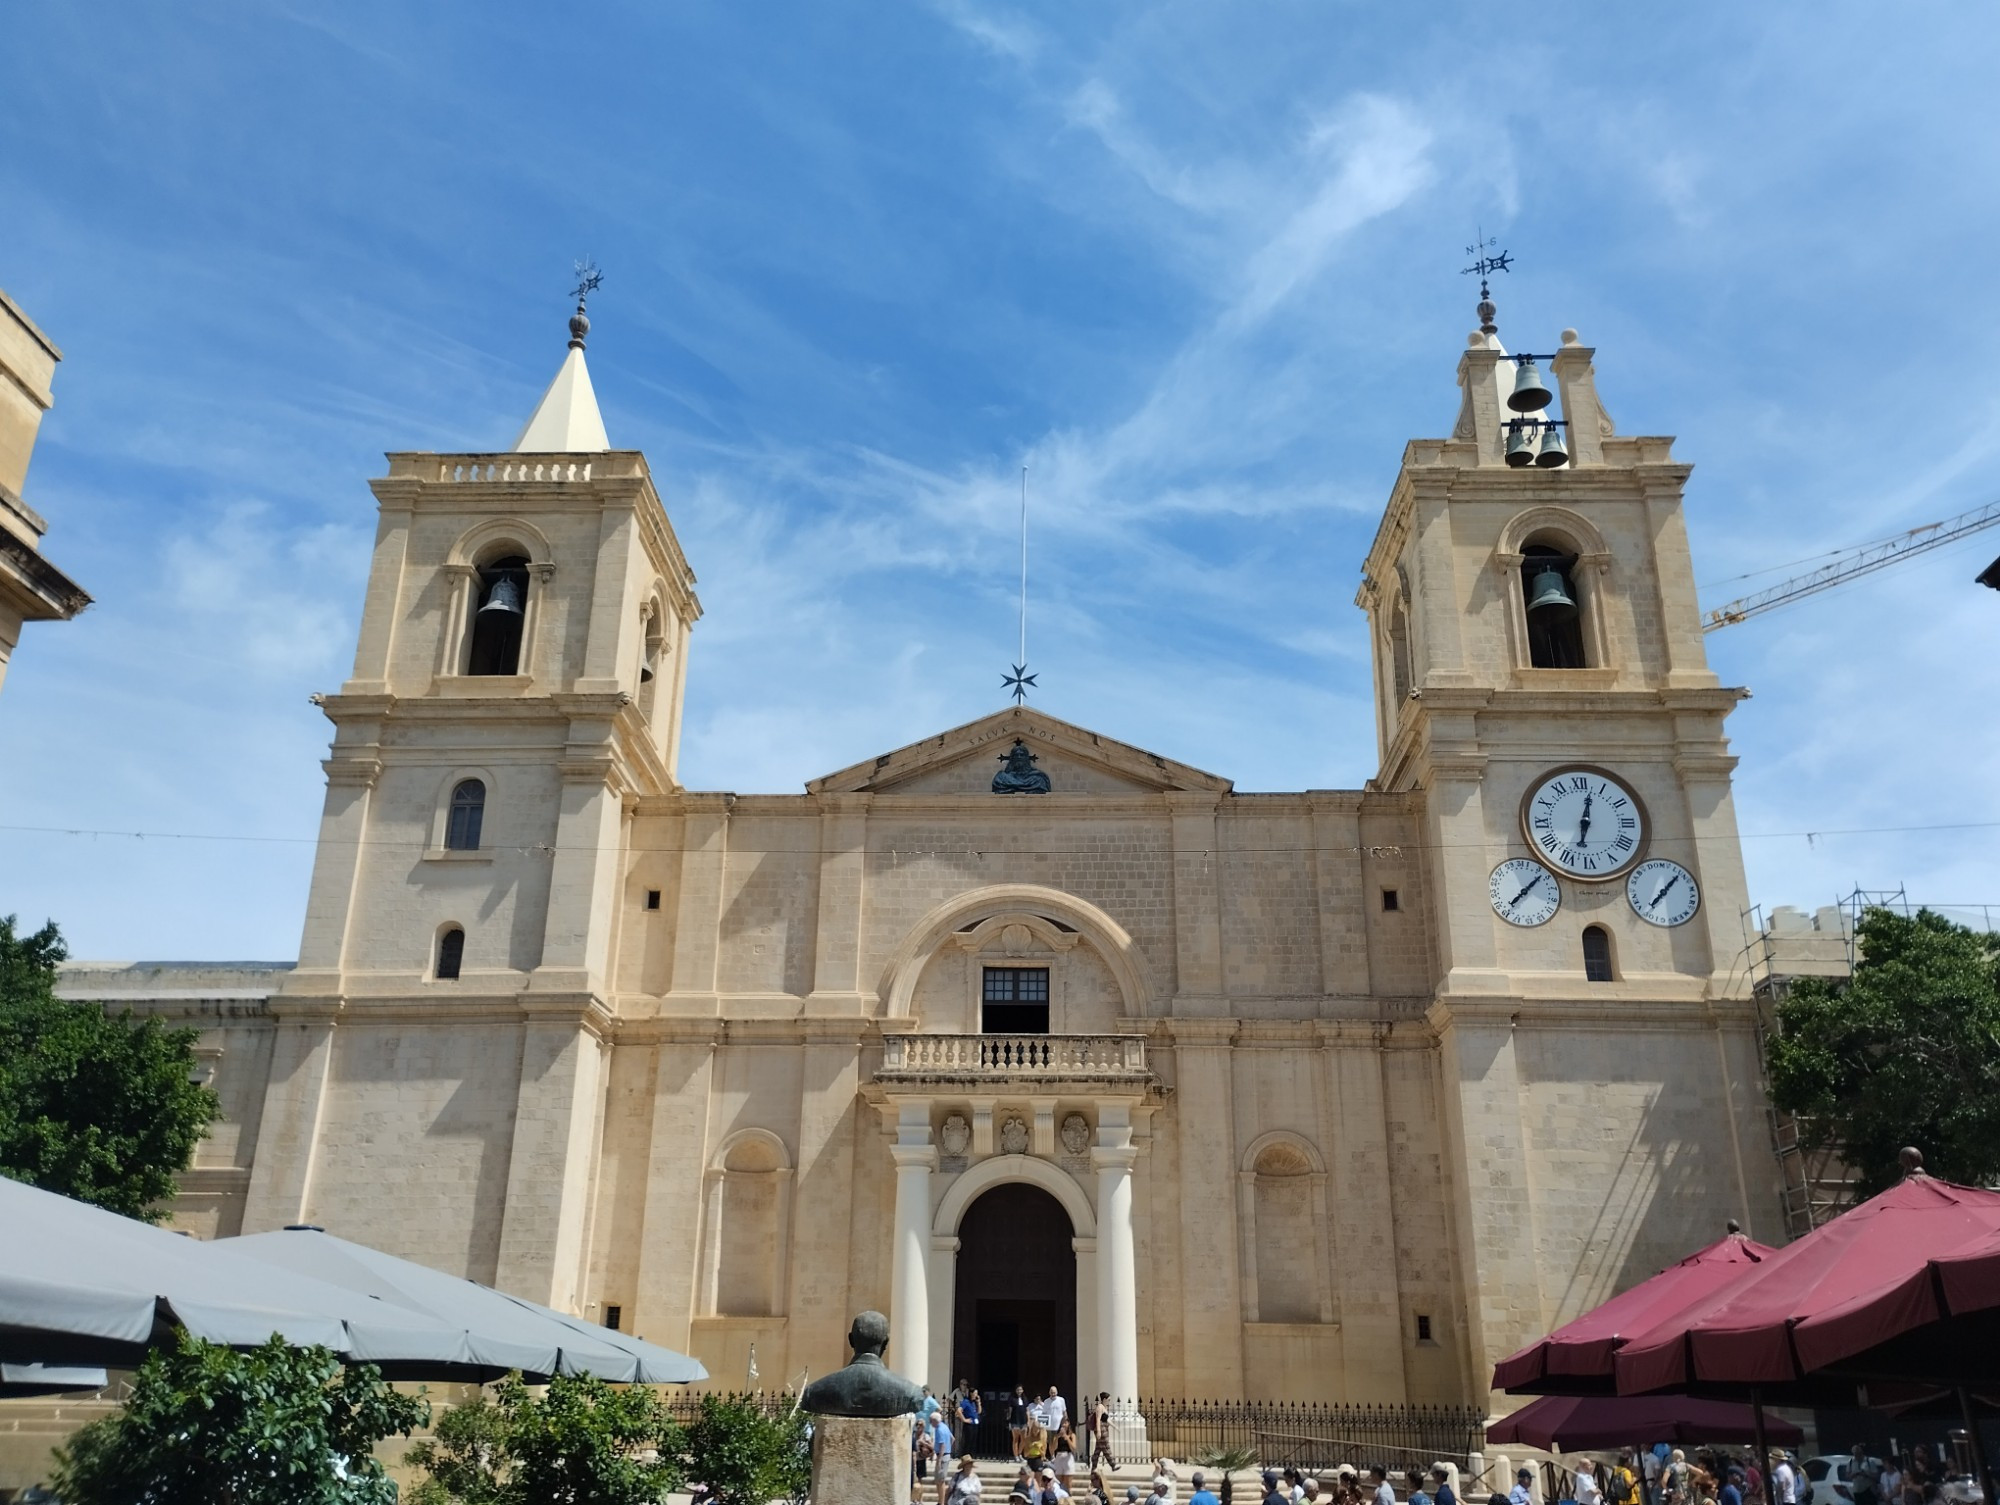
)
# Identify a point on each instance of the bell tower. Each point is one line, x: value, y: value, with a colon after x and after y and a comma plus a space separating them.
x: 1543, y: 694
x: 517, y: 686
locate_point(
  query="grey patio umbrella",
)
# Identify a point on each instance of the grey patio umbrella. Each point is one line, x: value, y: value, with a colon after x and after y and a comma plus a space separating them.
x: 506, y: 1331
x: 82, y: 1286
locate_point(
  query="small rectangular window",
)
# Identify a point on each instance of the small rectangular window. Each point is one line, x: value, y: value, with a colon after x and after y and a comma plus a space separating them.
x: 652, y: 898
x: 1423, y: 1328
x: 1391, y: 899
x: 613, y: 1315
x: 1015, y: 1001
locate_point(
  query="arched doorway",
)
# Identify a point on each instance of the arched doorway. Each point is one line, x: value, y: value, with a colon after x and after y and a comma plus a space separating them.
x: 1014, y: 1303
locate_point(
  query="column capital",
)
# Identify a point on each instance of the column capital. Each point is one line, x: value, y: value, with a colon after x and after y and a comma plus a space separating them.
x: 914, y: 1156
x: 1115, y: 1157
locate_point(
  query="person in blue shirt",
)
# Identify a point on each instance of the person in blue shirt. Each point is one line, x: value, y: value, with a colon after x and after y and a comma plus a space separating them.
x: 1442, y: 1492
x: 1521, y: 1494
x: 1202, y: 1495
x: 1731, y: 1492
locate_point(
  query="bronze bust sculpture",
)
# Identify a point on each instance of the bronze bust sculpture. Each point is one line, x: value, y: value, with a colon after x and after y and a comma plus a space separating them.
x: 867, y: 1386
x: 1020, y: 776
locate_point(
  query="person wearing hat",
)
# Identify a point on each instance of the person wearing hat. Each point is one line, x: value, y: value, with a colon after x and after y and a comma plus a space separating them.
x: 1523, y: 1492
x: 964, y: 1486
x: 1051, y: 1491
x: 1272, y: 1494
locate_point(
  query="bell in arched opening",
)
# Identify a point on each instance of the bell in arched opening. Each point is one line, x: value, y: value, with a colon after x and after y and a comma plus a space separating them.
x: 1549, y: 599
x: 507, y: 595
x: 498, y: 620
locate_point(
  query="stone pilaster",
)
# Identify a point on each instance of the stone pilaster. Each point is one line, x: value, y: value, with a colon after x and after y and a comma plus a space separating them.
x: 909, y: 1276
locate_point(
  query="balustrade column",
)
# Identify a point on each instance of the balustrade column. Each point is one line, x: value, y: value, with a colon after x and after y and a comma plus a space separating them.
x: 909, y: 1274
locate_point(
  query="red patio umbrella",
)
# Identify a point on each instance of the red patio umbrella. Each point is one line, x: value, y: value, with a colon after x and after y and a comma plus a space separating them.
x: 1575, y: 1359
x: 1579, y: 1423
x: 1848, y: 1286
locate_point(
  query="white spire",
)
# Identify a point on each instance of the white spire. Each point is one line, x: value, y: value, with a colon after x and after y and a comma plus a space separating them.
x: 566, y: 420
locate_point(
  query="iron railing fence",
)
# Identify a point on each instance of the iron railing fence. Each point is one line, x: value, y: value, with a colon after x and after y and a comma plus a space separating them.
x: 684, y: 1405
x: 1312, y: 1436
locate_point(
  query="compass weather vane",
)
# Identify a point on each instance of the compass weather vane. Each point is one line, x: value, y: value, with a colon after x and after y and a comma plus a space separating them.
x: 1021, y: 681
x: 1485, y: 262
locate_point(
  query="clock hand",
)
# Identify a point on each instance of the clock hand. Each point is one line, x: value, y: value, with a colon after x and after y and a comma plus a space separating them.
x: 1523, y: 893
x: 1583, y: 824
x: 1664, y: 888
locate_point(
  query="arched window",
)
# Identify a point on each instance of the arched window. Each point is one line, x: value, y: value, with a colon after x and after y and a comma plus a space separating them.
x: 451, y: 952
x: 500, y: 607
x: 468, y: 814
x: 1596, y: 954
x: 1555, y: 621
x: 1399, y: 655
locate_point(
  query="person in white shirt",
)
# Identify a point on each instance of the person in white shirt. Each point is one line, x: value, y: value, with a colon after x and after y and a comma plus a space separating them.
x: 1054, y: 1411
x: 1586, y: 1490
x: 965, y: 1486
x: 1784, y: 1482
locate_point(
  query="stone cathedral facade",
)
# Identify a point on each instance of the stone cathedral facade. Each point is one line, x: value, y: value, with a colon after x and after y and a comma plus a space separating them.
x: 1137, y: 1084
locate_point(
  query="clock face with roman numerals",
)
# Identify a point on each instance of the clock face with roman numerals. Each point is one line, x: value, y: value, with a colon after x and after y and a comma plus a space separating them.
x: 1584, y: 823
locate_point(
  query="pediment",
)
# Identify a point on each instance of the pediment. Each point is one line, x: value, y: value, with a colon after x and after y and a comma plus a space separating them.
x: 964, y: 760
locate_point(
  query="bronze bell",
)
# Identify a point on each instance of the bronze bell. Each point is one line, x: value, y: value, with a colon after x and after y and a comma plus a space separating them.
x: 1520, y: 445
x: 1549, y: 596
x: 1529, y: 395
x: 1553, y: 451
x: 504, y: 595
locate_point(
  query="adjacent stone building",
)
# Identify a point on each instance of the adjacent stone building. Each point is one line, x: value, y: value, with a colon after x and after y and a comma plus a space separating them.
x: 1138, y: 1084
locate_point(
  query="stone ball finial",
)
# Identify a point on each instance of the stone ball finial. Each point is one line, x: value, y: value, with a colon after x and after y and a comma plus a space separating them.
x: 1475, y: 340
x: 579, y: 326
x: 1569, y: 337
x: 1911, y: 1159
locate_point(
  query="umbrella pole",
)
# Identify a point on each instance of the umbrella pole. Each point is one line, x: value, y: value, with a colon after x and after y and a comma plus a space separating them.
x: 1978, y: 1446
x: 1639, y: 1472
x: 1763, y: 1445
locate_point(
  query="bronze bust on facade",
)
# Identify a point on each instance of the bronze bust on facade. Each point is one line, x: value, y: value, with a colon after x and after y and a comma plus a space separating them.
x: 1020, y: 776
x: 867, y: 1386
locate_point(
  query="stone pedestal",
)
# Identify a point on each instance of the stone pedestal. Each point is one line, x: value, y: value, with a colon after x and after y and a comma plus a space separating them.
x: 861, y: 1460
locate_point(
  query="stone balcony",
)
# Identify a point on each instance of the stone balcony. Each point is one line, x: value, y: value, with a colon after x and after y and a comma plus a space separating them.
x: 998, y: 1060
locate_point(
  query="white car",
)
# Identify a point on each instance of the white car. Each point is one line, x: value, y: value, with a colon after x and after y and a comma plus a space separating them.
x: 1832, y: 1478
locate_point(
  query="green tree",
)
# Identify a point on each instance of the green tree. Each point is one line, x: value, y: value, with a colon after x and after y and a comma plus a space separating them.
x: 207, y: 1425
x: 1905, y: 1052
x: 746, y: 1457
x: 587, y: 1443
x: 101, y: 1109
x: 464, y: 1460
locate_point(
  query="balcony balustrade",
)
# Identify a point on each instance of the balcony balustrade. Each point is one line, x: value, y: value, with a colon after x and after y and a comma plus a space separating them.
x: 1014, y: 1058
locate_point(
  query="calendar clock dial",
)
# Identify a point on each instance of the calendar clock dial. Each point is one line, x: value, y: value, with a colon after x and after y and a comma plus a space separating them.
x: 1584, y: 823
x: 1524, y: 892
x: 1663, y: 893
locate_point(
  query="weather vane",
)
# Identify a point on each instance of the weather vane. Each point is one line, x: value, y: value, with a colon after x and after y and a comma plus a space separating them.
x: 1485, y: 262
x: 1021, y: 681
x: 588, y: 280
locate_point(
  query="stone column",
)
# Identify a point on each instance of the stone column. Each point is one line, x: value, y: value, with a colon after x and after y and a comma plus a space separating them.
x: 1118, y: 1281
x: 909, y: 1272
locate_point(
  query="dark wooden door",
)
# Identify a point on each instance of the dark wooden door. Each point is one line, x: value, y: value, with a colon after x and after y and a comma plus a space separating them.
x: 1014, y: 1309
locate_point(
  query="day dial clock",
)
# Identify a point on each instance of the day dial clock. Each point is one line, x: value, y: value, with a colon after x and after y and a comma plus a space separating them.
x: 1663, y: 893
x: 1524, y: 892
x: 1584, y: 823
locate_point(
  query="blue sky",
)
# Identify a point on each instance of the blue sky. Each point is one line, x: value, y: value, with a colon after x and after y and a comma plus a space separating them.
x: 1195, y: 265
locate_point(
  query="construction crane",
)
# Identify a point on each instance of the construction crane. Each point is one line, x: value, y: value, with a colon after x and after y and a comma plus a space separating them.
x: 1849, y: 564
